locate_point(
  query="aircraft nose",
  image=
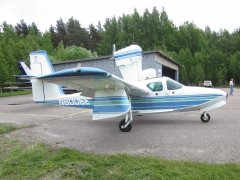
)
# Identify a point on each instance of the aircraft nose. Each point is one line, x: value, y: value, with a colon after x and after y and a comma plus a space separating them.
x: 223, y: 93
x: 218, y: 92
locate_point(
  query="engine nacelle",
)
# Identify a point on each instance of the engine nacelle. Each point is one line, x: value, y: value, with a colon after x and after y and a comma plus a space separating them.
x: 147, y: 74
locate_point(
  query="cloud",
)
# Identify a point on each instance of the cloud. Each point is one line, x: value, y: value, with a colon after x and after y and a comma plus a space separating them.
x: 216, y: 14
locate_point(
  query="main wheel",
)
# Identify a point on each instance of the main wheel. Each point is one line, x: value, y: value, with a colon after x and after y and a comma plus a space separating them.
x: 126, y: 129
x: 205, y: 118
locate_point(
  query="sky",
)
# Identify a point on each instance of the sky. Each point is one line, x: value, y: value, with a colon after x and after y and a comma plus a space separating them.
x: 217, y: 14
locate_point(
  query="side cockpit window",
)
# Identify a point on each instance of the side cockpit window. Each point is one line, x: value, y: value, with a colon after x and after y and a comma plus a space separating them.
x: 155, y: 86
x: 173, y: 85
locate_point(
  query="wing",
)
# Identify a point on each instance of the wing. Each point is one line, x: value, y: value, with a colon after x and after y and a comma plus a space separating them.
x: 88, y: 80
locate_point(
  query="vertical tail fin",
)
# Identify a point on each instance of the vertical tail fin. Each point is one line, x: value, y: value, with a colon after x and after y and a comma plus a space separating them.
x: 129, y: 61
x: 41, y: 65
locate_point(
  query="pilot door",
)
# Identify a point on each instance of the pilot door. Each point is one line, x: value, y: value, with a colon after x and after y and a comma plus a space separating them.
x: 173, y: 88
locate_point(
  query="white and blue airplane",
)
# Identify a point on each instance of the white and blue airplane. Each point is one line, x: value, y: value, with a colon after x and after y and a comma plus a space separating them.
x: 137, y: 93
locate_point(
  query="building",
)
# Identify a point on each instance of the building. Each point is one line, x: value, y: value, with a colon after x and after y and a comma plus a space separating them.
x: 164, y: 65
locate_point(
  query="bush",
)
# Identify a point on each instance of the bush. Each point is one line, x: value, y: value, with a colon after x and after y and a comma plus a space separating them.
x: 72, y: 53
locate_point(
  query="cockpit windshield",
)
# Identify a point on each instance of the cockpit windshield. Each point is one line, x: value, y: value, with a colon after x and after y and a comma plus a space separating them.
x: 173, y: 85
x: 155, y: 86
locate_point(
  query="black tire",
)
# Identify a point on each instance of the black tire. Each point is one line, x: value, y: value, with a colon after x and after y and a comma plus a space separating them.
x: 126, y: 129
x: 205, y: 119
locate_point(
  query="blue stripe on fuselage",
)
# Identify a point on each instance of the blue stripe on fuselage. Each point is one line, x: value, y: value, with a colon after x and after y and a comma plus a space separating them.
x: 170, y: 102
x: 110, y: 109
x: 116, y: 104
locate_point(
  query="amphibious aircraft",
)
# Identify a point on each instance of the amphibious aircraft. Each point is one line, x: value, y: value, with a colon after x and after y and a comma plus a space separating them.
x: 138, y: 92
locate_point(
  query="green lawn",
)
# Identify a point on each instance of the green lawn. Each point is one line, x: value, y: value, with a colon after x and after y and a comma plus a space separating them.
x: 15, y: 93
x: 5, y: 128
x: 39, y: 161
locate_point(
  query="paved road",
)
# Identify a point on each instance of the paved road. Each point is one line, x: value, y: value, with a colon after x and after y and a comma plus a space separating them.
x: 179, y: 136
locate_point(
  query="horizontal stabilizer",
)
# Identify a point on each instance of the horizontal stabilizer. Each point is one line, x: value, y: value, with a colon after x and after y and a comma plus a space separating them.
x: 24, y: 77
x: 24, y: 69
x: 129, y: 62
x: 26, y: 73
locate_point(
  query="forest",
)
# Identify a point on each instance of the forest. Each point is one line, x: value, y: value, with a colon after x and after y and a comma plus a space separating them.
x: 203, y: 54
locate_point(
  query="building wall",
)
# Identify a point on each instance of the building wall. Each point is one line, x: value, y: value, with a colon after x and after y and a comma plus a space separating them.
x: 105, y: 64
x: 168, y: 68
x: 167, y: 63
x: 150, y: 60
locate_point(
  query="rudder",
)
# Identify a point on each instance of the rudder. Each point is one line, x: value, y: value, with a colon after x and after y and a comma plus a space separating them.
x: 40, y: 65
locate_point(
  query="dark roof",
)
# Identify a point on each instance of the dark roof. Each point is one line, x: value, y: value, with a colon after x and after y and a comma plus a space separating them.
x: 86, y: 59
x: 162, y: 55
x: 110, y: 56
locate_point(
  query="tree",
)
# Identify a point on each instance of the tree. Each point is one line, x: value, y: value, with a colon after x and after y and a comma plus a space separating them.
x: 234, y: 66
x: 15, y: 47
x: 54, y: 36
x: 167, y: 32
x: 76, y: 35
x: 61, y: 31
x: 127, y: 30
x: 147, y: 36
x: 224, y: 41
x: 189, y: 36
x: 3, y: 71
x: 72, y: 53
x: 94, y: 38
x: 203, y: 54
x: 34, y: 28
x: 235, y: 38
x: 111, y: 35
x: 137, y: 28
x: 199, y: 74
x: 22, y: 28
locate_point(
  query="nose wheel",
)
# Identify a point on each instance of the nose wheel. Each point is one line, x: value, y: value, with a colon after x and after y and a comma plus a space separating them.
x: 205, y: 117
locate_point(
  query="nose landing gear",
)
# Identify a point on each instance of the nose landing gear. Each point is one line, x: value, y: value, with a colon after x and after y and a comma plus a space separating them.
x: 205, y: 117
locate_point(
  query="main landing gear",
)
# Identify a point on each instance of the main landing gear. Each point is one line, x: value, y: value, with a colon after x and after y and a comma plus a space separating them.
x: 205, y: 117
x: 125, y: 125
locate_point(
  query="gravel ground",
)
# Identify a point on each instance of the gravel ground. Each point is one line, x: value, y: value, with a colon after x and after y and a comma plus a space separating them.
x: 178, y: 136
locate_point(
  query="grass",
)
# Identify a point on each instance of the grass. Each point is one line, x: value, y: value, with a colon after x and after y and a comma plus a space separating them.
x: 39, y: 161
x: 5, y: 128
x: 15, y: 93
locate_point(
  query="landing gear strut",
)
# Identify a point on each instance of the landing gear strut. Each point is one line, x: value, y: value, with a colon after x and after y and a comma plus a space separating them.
x: 125, y: 125
x: 205, y: 117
